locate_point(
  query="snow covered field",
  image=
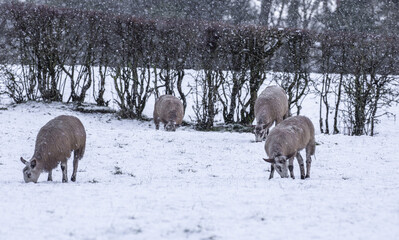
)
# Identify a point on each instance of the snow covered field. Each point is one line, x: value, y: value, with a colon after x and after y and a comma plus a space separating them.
x: 138, y: 183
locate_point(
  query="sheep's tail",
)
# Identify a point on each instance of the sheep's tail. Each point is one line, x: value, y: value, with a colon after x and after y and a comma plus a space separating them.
x: 172, y: 115
x: 311, y: 148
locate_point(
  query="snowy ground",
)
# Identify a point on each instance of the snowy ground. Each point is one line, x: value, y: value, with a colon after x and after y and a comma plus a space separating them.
x: 138, y: 183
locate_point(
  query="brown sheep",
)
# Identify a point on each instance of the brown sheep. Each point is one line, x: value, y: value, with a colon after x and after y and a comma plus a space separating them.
x: 54, y: 144
x: 271, y: 106
x: 284, y: 143
x: 169, y: 110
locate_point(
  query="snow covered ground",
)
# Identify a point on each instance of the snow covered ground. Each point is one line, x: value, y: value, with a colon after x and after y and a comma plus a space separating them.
x: 138, y: 183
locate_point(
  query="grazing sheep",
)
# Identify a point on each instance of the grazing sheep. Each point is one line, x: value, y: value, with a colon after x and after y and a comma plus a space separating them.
x: 54, y: 144
x: 169, y: 110
x: 271, y: 106
x: 284, y: 143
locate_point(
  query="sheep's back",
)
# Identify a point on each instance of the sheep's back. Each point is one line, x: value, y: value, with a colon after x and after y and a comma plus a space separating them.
x: 57, y: 139
x: 271, y: 102
x: 292, y: 134
x: 169, y: 108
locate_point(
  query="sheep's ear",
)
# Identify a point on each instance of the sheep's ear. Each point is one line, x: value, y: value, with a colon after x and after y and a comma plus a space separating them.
x: 33, y: 163
x: 270, y: 160
x: 23, y: 161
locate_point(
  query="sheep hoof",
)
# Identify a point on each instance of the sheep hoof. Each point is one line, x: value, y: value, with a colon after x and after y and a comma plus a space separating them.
x: 73, y: 179
x: 64, y: 180
x: 307, y: 176
x: 302, y: 177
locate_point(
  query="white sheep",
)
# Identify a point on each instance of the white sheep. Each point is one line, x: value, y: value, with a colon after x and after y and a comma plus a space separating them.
x: 284, y: 143
x: 54, y: 144
x: 169, y: 110
x: 271, y: 106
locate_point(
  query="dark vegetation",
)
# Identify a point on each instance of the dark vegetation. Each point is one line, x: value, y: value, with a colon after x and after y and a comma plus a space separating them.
x: 148, y: 55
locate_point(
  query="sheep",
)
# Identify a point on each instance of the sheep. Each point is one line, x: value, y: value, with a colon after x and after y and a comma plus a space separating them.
x: 270, y: 107
x: 169, y: 110
x: 284, y: 143
x: 54, y: 144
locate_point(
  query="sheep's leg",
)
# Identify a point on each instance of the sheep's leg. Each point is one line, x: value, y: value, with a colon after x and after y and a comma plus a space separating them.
x: 301, y: 165
x: 308, y: 164
x: 291, y: 167
x: 75, y: 166
x: 310, y: 150
x: 64, y: 172
x: 287, y: 115
x: 271, y: 172
x: 156, y: 120
x: 278, y: 121
x: 266, y: 132
x: 50, y: 176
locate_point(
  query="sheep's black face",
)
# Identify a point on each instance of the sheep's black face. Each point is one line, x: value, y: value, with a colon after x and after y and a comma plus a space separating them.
x: 30, y: 171
x: 280, y: 164
x: 170, y: 127
x: 260, y: 133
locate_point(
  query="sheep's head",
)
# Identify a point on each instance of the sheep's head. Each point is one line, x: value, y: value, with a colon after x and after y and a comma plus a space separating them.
x: 30, y: 171
x: 170, y: 126
x: 280, y: 164
x: 261, y: 132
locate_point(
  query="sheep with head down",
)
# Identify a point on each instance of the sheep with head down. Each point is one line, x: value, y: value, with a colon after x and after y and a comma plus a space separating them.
x: 169, y: 110
x: 284, y: 143
x: 271, y: 106
x: 54, y: 144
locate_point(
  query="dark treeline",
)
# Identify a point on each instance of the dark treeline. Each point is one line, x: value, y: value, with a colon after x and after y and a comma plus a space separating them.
x: 232, y: 11
x: 149, y: 56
